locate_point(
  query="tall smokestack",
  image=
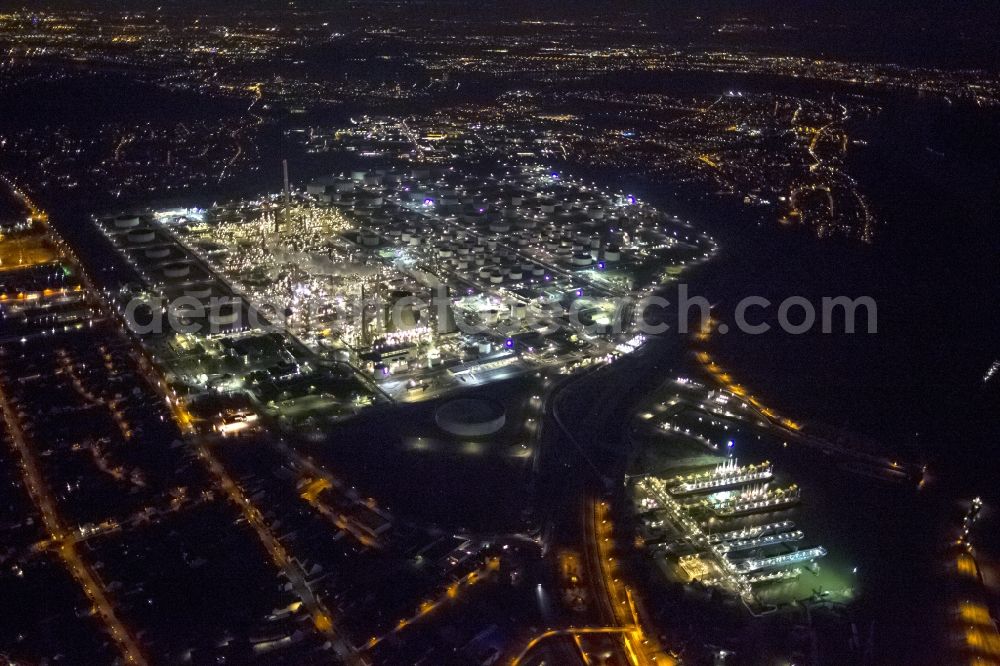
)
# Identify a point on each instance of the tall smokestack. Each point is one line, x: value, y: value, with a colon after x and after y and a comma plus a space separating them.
x: 287, y: 191
x: 286, y: 195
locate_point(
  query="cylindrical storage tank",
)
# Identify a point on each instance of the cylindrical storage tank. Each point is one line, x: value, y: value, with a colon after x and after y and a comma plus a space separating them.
x: 372, y: 180
x: 470, y: 417
x: 538, y: 271
x: 158, y: 252
x: 582, y: 259
x: 485, y: 347
x: 126, y: 221
x: 499, y: 227
x: 141, y: 236
x: 199, y: 292
x: 225, y: 315
x: 496, y: 277
x: 187, y: 311
x: 484, y: 272
x: 516, y: 274
x: 344, y: 186
x: 612, y: 253
x: 369, y: 239
x: 446, y: 252
x: 358, y: 176
x: 174, y: 271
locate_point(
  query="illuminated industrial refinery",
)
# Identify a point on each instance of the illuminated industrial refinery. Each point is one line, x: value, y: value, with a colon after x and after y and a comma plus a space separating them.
x: 417, y: 280
x: 394, y: 333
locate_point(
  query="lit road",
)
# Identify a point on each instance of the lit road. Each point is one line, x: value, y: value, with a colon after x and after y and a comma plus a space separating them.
x: 572, y: 631
x: 608, y: 389
x: 321, y: 617
x: 450, y: 594
x: 41, y: 495
x: 43, y: 499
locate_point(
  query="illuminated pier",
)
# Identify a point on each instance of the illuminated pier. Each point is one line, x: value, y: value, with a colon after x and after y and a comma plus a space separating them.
x: 764, y: 563
x: 728, y: 473
x: 751, y: 532
x: 759, y: 498
x: 774, y: 576
x: 761, y: 542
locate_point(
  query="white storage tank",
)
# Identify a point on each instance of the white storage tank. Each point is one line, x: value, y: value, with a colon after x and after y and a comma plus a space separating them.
x: 187, y: 311
x: 126, y: 221
x: 141, y: 236
x: 224, y: 315
x: 174, y: 271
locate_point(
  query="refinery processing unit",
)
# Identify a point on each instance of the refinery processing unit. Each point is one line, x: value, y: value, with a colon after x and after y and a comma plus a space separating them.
x: 395, y: 284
